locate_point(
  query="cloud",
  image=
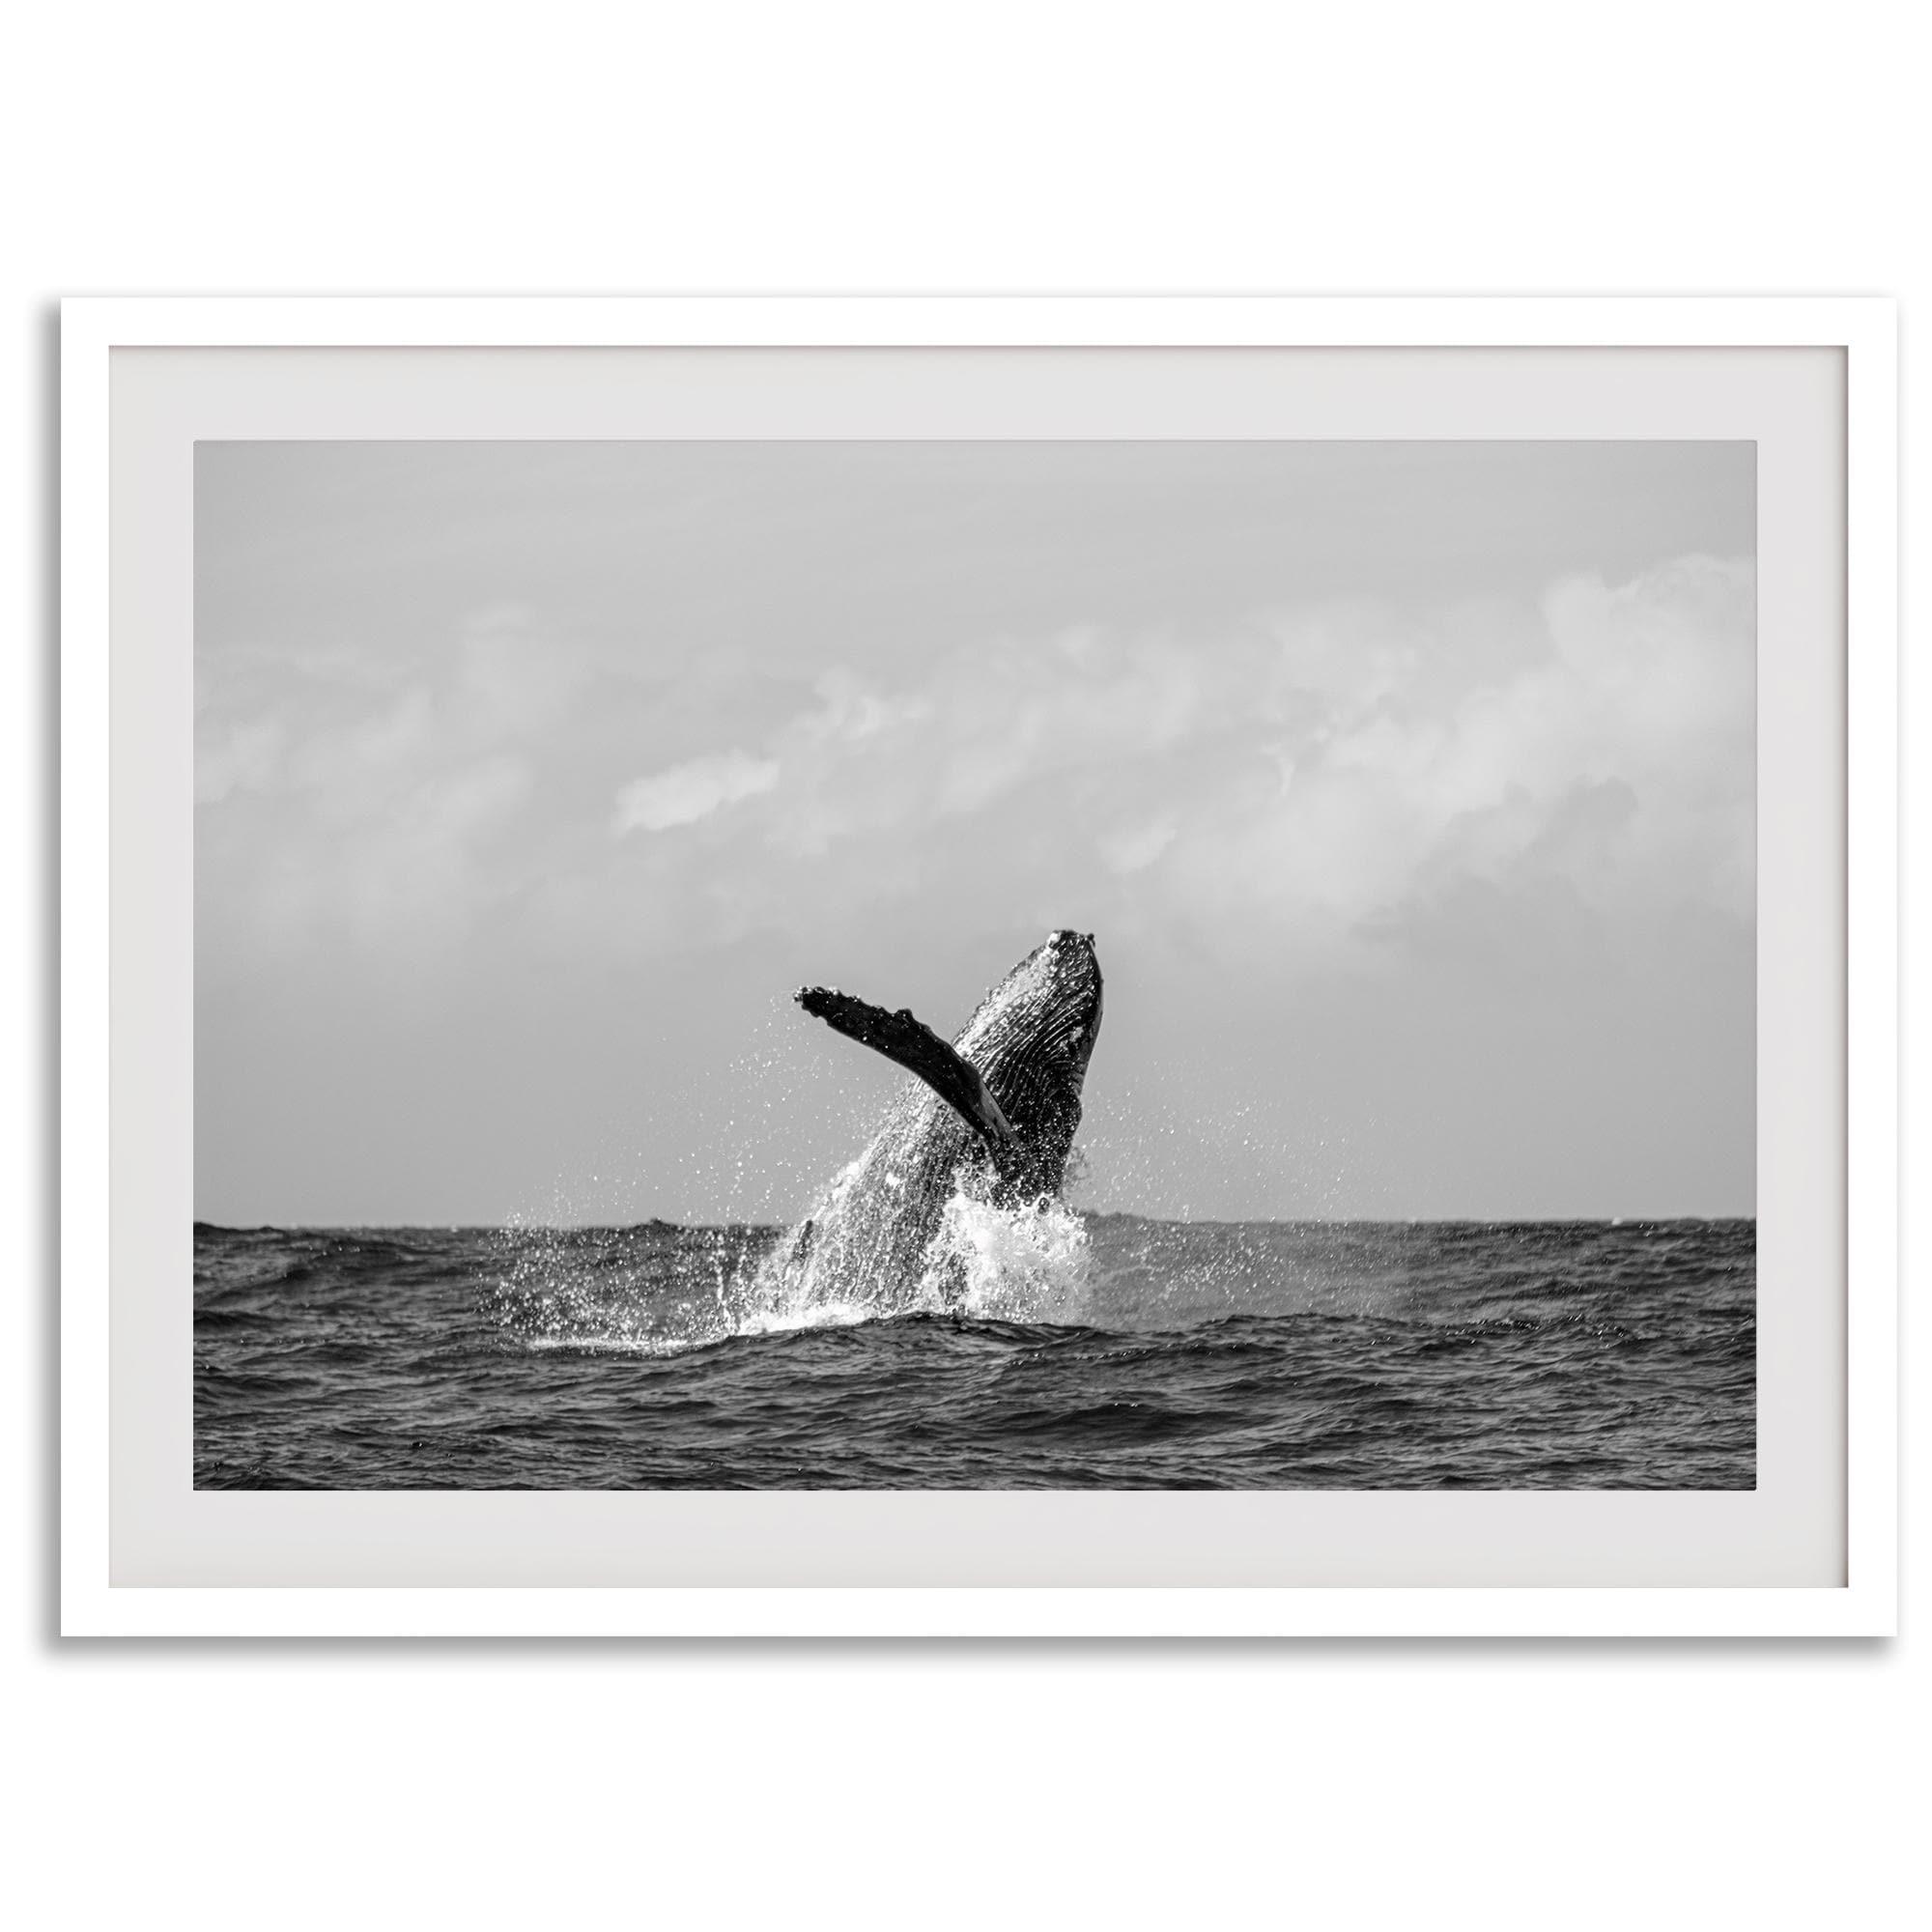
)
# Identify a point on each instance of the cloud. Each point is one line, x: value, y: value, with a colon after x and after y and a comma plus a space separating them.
x: 242, y: 757
x: 380, y: 800
x: 689, y: 792
x: 1618, y: 758
x: 1132, y: 849
x: 1290, y: 781
x: 1296, y: 786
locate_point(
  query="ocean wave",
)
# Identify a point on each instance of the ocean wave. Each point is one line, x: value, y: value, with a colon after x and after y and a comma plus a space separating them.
x: 1041, y: 1349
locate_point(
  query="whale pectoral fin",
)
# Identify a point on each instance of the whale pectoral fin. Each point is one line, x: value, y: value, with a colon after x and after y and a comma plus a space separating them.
x: 912, y: 1044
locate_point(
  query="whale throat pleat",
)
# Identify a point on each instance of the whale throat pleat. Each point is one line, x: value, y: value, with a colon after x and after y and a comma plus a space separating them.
x: 910, y: 1043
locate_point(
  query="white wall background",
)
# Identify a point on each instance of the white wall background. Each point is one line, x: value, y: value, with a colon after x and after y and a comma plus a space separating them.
x: 404, y: 148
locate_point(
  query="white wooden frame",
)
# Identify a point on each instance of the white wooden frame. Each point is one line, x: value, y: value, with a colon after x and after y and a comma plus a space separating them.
x: 1866, y: 328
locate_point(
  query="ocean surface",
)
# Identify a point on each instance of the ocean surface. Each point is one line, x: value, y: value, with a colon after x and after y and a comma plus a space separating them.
x: 1102, y: 1352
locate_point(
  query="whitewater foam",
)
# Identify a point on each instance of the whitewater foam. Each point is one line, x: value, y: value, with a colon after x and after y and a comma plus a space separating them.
x: 1025, y: 1264
x: 986, y: 1261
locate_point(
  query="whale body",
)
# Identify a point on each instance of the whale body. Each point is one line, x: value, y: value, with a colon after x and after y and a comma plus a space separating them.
x: 993, y: 1112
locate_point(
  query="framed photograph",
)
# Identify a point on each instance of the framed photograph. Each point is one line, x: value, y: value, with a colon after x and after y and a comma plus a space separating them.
x: 979, y: 966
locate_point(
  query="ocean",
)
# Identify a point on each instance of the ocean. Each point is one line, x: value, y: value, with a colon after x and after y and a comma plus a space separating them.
x: 1086, y: 1352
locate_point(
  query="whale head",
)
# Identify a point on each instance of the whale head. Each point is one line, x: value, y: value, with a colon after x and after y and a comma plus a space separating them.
x: 1032, y: 1038
x: 1043, y: 1016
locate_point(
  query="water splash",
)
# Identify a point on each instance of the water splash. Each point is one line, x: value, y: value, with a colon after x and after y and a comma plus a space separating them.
x: 1027, y: 1264
x: 663, y: 1290
x: 639, y: 1290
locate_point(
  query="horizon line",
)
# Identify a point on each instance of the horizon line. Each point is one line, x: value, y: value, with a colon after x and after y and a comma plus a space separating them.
x: 1083, y: 1213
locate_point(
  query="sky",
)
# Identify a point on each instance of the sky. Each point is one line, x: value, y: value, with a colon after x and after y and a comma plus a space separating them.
x: 1406, y: 787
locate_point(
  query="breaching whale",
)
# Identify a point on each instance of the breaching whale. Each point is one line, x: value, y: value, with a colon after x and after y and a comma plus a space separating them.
x: 994, y: 1113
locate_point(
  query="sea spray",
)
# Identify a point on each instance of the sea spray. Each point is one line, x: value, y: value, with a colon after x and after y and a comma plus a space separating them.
x: 659, y: 1288
x: 638, y: 1288
x: 1023, y: 1264
x: 1026, y: 1263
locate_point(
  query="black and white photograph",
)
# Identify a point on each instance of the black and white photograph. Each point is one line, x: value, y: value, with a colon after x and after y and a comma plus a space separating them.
x: 975, y: 965
x: 964, y: 967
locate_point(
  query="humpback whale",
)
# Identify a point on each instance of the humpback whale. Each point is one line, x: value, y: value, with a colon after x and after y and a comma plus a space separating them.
x: 993, y: 1112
